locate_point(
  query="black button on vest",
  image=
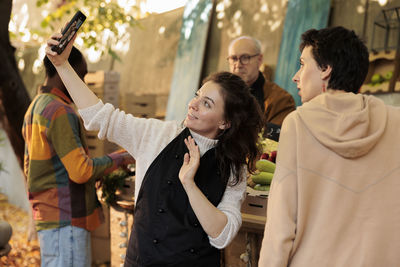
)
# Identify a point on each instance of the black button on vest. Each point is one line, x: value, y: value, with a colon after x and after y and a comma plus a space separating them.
x: 166, y: 231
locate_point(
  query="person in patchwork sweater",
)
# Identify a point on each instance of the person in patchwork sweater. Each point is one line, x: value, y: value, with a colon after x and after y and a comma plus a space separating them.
x: 60, y: 174
x: 190, y: 178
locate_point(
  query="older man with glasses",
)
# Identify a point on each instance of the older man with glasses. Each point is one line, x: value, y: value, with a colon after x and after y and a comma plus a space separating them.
x: 245, y: 58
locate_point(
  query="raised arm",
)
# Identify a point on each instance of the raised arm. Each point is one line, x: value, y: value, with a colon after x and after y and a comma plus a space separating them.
x: 82, y: 96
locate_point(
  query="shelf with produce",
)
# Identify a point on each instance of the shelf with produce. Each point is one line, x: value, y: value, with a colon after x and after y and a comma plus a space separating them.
x: 383, y: 73
x: 255, y: 203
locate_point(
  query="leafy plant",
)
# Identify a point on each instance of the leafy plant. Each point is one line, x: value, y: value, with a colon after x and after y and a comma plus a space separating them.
x: 111, y: 183
x: 267, y: 145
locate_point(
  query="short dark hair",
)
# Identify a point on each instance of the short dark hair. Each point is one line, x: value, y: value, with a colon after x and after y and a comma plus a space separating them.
x: 237, y: 145
x: 75, y: 59
x: 344, y: 51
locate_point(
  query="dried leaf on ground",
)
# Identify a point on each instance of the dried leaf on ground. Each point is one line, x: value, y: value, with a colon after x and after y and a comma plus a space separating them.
x: 23, y: 253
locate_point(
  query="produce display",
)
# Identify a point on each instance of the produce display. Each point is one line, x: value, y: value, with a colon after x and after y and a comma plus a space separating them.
x: 261, y: 180
x: 261, y: 187
x: 266, y: 168
x: 378, y: 79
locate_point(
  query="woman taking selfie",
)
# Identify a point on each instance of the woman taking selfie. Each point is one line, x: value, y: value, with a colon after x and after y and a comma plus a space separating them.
x: 190, y: 178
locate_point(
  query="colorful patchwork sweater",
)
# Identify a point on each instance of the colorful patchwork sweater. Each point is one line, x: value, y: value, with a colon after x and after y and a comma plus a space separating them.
x: 60, y: 175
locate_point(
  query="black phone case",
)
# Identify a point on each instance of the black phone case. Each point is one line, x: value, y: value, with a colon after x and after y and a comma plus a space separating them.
x: 69, y: 32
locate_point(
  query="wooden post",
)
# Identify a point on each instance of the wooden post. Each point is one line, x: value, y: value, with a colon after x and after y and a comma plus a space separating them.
x: 396, y: 71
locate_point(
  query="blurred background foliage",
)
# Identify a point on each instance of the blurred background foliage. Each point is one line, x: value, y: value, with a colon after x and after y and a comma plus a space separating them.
x: 105, y: 31
x: 106, y: 27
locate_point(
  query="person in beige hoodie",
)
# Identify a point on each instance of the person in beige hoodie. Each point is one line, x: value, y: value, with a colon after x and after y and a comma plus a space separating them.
x: 334, y: 199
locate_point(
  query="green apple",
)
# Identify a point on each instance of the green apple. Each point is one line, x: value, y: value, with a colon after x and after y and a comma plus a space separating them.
x: 376, y: 78
x: 388, y: 76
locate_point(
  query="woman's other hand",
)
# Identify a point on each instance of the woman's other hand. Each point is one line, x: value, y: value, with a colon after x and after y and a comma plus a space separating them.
x: 55, y: 58
x: 211, y: 219
x: 191, y: 163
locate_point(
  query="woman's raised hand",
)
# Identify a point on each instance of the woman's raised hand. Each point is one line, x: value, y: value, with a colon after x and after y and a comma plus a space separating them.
x: 55, y: 58
x: 191, y: 163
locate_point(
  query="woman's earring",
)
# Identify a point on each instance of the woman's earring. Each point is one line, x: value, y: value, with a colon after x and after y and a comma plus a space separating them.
x: 323, y: 88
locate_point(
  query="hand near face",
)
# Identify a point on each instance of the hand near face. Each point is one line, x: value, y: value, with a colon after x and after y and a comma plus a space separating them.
x: 191, y: 163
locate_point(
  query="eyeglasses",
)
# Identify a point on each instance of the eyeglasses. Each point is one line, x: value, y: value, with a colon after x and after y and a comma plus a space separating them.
x: 243, y: 59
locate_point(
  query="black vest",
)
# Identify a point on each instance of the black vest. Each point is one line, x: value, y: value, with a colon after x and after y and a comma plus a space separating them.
x: 166, y: 231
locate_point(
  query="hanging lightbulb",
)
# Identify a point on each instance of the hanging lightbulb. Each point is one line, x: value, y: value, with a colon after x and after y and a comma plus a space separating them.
x: 382, y: 2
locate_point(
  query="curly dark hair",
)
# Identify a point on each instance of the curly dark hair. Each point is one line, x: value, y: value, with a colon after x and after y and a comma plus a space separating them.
x: 344, y: 51
x: 238, y: 144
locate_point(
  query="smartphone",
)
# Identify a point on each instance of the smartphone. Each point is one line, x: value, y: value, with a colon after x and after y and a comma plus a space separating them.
x: 69, y: 32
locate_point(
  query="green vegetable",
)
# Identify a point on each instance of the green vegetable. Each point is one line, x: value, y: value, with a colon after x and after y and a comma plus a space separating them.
x: 265, y: 165
x: 263, y: 178
x: 261, y: 187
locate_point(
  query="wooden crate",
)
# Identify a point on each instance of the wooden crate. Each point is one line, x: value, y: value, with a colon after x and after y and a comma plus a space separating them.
x: 161, y: 106
x: 102, y: 77
x: 97, y: 89
x: 112, y: 98
x: 111, y: 88
x: 110, y: 147
x: 95, y: 145
x: 140, y: 105
x: 100, y: 240
x: 231, y: 254
x: 120, y: 228
x: 255, y: 205
x: 244, y: 249
x: 105, y: 85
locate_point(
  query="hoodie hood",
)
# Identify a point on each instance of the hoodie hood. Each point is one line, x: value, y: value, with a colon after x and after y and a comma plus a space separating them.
x: 346, y: 123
